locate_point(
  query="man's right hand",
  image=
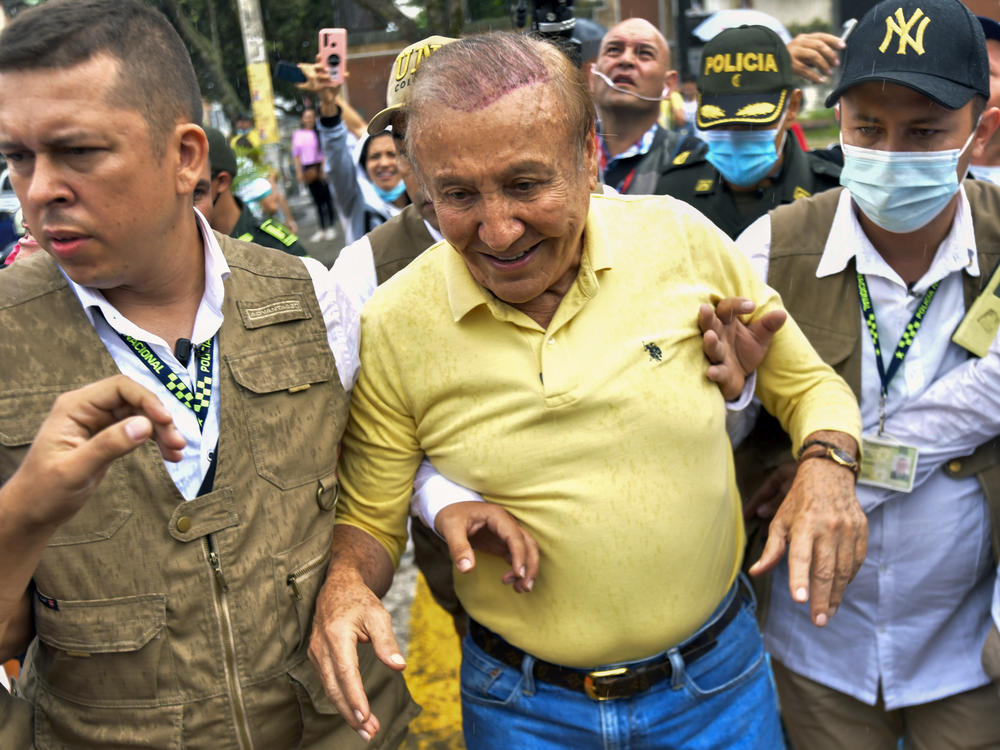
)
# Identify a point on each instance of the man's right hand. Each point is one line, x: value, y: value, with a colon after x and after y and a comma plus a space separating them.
x: 489, y: 528
x: 734, y: 348
x: 318, y: 81
x: 814, y: 55
x: 84, y: 432
x: 349, y: 612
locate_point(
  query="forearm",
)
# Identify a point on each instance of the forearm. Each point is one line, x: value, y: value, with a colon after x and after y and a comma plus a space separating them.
x: 22, y: 542
x: 359, y: 559
x: 339, y: 164
x: 352, y: 119
x: 17, y: 628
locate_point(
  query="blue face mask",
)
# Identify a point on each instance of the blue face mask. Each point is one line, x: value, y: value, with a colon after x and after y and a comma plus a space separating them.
x: 985, y: 173
x: 901, y: 191
x: 744, y: 157
x: 390, y: 195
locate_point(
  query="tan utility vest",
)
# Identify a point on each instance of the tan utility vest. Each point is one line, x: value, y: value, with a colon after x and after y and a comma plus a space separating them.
x: 169, y: 623
x: 396, y: 242
x: 827, y: 310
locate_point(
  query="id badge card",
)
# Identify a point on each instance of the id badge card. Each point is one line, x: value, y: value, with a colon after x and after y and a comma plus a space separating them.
x: 887, y: 463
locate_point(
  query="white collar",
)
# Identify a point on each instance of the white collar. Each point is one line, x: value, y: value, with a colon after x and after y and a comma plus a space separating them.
x: 846, y: 240
x: 209, y: 317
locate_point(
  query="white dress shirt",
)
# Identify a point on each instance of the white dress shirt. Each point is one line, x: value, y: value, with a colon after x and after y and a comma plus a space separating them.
x: 950, y: 427
x: 343, y: 333
x: 916, y: 616
x: 355, y: 266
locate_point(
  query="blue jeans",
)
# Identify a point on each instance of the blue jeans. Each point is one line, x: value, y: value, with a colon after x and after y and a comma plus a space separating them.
x: 725, y: 700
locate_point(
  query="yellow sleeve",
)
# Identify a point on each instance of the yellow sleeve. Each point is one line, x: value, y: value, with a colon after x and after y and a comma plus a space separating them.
x: 379, y: 451
x: 793, y: 382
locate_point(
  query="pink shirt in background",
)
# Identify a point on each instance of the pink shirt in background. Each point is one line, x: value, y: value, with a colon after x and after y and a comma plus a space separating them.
x: 305, y: 145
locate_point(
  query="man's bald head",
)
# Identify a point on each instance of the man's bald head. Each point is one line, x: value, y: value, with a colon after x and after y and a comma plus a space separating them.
x: 638, y: 26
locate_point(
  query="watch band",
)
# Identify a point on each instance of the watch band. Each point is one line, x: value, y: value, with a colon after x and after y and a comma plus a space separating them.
x: 832, y: 453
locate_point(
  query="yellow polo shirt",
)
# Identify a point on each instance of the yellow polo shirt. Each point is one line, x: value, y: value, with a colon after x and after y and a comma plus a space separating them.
x: 600, y: 434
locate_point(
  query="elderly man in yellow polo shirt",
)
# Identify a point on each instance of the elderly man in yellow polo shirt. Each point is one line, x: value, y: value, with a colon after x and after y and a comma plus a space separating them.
x: 547, y: 355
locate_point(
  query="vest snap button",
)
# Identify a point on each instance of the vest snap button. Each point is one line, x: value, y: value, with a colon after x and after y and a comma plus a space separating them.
x: 183, y: 524
x: 954, y: 466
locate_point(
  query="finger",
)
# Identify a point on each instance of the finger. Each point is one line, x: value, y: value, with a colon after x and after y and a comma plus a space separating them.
x: 532, y: 560
x: 774, y: 550
x: 800, y: 553
x: 707, y: 319
x: 768, y: 324
x: 713, y: 347
x: 513, y: 537
x: 821, y: 579
x: 336, y: 676
x: 843, y: 572
x: 729, y: 381
x: 456, y: 536
x: 383, y: 640
x: 808, y: 73
x: 730, y: 307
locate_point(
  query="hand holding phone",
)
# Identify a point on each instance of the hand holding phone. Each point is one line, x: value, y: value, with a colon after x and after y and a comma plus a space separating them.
x: 333, y: 52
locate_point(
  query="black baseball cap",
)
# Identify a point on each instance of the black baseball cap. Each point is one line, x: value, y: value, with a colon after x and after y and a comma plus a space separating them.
x: 220, y: 156
x: 935, y: 47
x: 991, y: 29
x: 744, y: 78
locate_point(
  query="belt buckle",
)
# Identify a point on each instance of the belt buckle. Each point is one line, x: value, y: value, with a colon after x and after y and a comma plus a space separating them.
x: 591, y: 686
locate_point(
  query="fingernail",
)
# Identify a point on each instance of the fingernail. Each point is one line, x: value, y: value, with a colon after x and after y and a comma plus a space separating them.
x: 464, y: 564
x: 530, y: 584
x: 522, y: 572
x: 135, y: 428
x: 821, y: 619
x: 364, y: 735
x: 358, y: 715
x: 801, y: 594
x: 397, y: 659
x: 746, y: 306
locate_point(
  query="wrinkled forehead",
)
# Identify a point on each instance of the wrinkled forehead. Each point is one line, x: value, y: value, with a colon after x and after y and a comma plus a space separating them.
x: 634, y: 32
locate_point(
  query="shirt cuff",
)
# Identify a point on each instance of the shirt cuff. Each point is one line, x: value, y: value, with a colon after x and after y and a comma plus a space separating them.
x: 746, y: 395
x: 432, y: 493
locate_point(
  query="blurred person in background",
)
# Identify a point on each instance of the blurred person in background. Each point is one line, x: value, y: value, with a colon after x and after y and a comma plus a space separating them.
x: 309, y: 171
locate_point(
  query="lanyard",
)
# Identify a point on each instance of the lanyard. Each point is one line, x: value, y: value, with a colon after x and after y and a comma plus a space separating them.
x: 604, y: 159
x: 902, y: 347
x: 197, y: 401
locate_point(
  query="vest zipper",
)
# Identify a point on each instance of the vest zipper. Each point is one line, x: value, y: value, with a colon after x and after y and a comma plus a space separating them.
x: 304, y: 571
x: 224, y: 618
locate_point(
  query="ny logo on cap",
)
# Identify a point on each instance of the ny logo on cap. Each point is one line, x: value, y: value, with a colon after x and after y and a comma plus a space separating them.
x: 901, y: 26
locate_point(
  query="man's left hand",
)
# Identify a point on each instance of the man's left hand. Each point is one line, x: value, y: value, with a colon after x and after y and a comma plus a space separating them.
x: 734, y: 348
x: 821, y: 524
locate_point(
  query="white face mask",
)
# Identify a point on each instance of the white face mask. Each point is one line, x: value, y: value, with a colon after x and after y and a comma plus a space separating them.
x: 901, y: 191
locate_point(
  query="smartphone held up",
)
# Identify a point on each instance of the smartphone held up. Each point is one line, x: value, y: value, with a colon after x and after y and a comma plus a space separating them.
x: 333, y: 53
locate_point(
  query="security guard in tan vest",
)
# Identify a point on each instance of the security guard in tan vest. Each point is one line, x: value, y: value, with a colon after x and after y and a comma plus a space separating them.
x: 747, y: 100
x: 880, y: 275
x: 164, y: 597
x: 213, y: 196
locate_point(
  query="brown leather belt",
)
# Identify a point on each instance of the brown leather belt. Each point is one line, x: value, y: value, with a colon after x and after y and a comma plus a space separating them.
x: 608, y: 684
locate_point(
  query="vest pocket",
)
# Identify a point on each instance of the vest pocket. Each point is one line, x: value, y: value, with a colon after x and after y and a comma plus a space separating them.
x: 294, y: 407
x: 114, y: 648
x: 21, y: 415
x: 64, y: 725
x: 298, y: 574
